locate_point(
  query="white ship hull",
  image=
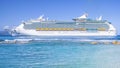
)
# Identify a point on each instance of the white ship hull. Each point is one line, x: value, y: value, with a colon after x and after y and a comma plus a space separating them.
x: 64, y: 33
x: 20, y: 29
x: 23, y: 31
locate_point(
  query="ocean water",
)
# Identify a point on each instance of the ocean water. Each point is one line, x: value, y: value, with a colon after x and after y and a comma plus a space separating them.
x: 58, y: 53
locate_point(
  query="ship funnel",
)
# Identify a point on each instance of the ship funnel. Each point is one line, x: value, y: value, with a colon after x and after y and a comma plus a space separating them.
x: 41, y: 18
x: 100, y: 18
x: 83, y: 16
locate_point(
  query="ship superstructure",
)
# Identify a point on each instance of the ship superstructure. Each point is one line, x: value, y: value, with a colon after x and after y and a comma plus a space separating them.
x: 80, y: 26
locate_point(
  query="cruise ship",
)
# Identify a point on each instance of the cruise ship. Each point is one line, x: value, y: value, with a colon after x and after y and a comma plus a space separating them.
x: 79, y: 26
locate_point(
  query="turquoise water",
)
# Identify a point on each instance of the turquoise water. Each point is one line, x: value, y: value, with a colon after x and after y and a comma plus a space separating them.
x: 58, y: 54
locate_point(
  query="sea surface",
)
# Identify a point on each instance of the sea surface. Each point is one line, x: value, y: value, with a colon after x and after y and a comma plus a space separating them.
x: 57, y: 53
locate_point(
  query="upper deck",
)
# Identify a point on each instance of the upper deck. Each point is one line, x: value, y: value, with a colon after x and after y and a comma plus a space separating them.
x: 77, y: 23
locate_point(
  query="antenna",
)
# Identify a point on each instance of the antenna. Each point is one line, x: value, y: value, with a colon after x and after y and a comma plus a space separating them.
x: 47, y: 18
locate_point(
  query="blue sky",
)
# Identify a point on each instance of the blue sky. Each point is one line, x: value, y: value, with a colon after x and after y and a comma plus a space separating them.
x: 12, y: 12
